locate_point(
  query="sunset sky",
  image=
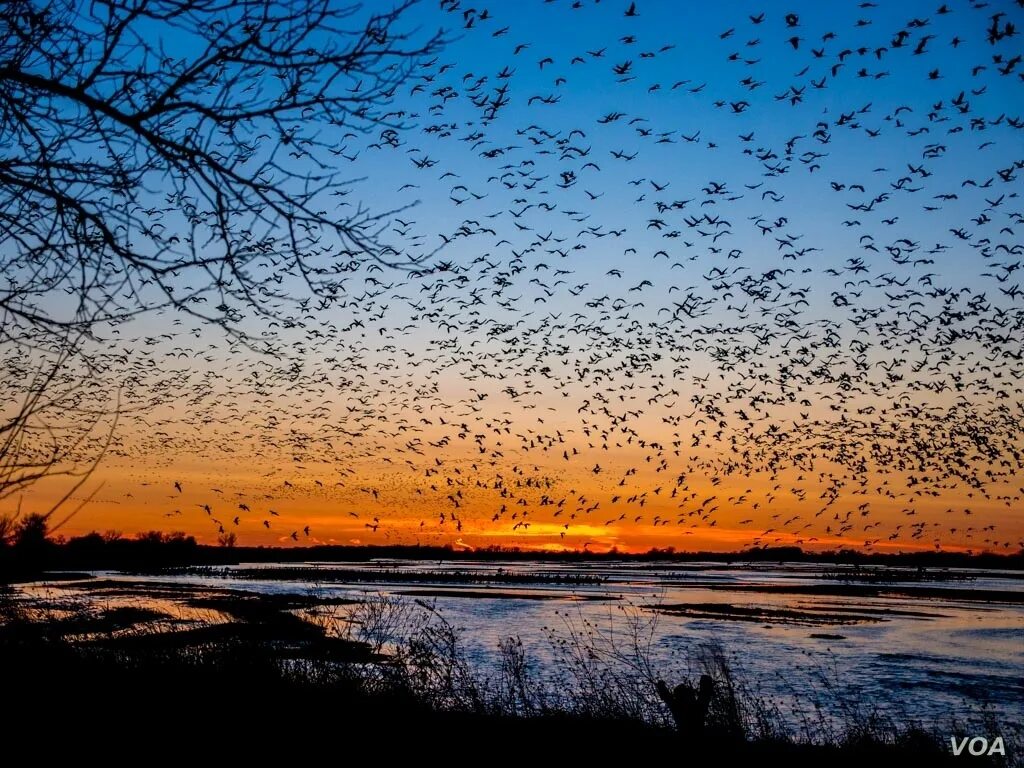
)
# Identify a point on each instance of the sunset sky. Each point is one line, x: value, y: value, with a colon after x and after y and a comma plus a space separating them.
x: 746, y: 292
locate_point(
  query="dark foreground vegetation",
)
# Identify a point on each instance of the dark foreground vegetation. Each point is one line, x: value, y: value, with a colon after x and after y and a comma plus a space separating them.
x: 299, y: 675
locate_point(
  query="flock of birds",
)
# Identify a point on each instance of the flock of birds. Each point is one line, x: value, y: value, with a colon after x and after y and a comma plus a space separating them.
x: 753, y: 280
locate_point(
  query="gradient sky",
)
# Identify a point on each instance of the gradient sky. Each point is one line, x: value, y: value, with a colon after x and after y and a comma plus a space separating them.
x: 789, y: 318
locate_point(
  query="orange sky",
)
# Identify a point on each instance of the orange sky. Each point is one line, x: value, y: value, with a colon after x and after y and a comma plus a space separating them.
x: 554, y: 496
x: 444, y: 458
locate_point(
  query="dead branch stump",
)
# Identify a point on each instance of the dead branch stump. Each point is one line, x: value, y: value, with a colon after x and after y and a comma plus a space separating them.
x: 689, y: 704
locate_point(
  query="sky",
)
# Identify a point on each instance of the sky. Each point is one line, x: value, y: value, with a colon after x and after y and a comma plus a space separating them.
x: 716, y: 276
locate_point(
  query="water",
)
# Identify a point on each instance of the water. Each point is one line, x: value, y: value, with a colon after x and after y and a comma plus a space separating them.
x: 927, y: 650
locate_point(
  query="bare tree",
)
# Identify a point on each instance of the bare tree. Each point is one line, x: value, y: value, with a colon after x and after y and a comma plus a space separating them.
x: 173, y: 153
x: 187, y: 152
x: 59, y: 428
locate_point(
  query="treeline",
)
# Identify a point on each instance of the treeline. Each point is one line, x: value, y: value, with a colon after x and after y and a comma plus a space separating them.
x: 27, y: 550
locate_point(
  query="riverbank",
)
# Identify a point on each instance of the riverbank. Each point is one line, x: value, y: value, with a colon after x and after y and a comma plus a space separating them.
x: 157, y: 550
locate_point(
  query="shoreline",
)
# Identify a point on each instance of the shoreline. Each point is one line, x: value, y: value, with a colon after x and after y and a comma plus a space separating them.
x: 94, y: 552
x: 239, y: 655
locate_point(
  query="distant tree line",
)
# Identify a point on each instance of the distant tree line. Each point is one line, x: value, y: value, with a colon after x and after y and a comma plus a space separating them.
x: 26, y: 550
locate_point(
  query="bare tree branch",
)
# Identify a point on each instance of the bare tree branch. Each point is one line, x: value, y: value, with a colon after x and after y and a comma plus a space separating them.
x: 174, y: 152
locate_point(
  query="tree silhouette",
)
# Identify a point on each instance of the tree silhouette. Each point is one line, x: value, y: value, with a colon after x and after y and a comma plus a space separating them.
x: 173, y: 153
x: 185, y: 152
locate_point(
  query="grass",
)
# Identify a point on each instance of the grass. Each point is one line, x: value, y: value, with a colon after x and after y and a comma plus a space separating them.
x: 394, y: 669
